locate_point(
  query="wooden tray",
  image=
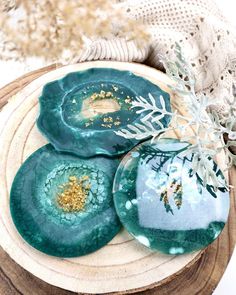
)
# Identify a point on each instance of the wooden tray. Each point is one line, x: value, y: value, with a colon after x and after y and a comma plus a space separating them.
x: 123, y: 265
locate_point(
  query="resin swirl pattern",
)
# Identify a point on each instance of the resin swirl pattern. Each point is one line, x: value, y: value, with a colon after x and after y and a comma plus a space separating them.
x: 84, y: 109
x: 46, y: 225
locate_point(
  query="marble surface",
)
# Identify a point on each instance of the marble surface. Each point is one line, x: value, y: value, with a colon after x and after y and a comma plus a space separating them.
x: 84, y: 109
x: 47, y: 226
x: 163, y: 204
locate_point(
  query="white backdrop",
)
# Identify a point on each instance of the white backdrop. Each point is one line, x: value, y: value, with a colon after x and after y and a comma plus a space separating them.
x: 11, y: 70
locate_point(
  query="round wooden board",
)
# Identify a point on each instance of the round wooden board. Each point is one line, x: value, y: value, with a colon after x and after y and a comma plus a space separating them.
x: 123, y: 265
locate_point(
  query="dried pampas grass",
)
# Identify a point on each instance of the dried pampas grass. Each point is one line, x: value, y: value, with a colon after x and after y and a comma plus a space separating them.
x: 58, y: 29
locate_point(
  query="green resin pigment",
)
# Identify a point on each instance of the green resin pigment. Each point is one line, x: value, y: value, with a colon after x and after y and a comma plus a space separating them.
x: 62, y: 205
x: 163, y: 204
x: 84, y: 109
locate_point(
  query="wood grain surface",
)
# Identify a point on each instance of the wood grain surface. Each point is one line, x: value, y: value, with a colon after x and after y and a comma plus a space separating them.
x: 198, y: 274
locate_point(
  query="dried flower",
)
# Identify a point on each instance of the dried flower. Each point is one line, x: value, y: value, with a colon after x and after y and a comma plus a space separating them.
x: 57, y: 30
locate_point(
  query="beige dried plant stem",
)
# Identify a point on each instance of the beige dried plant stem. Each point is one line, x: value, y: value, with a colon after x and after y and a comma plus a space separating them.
x: 57, y: 30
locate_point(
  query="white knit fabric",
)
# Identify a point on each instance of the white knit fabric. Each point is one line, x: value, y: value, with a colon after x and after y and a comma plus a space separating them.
x: 207, y: 40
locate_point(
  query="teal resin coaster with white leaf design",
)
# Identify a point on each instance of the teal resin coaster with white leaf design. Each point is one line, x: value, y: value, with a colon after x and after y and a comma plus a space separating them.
x: 82, y: 112
x: 163, y: 204
x: 62, y: 205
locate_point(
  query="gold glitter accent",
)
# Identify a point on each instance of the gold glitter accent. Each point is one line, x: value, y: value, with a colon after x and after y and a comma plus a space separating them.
x: 102, y: 103
x: 108, y: 120
x: 127, y: 100
x: 178, y: 190
x: 115, y: 88
x: 101, y: 95
x: 175, y: 190
x: 165, y: 197
x: 74, y: 194
x: 94, y: 96
x: 109, y: 94
x: 106, y: 125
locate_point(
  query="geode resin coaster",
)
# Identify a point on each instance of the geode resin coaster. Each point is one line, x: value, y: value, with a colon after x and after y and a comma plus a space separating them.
x: 62, y: 205
x: 163, y: 204
x: 80, y: 112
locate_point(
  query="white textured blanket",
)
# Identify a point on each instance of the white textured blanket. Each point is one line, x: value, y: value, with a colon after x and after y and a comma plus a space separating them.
x: 207, y: 40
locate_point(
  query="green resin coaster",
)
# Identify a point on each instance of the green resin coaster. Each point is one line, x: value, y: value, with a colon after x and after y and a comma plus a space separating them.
x: 62, y: 205
x: 163, y: 204
x: 81, y: 112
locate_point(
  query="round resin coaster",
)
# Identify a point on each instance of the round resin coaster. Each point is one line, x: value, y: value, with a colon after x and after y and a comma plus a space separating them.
x: 163, y: 204
x: 81, y: 112
x: 62, y: 205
